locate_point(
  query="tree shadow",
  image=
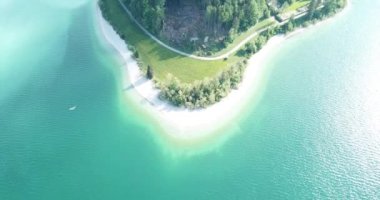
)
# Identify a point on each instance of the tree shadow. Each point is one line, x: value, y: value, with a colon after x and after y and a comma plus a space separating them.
x: 139, y: 82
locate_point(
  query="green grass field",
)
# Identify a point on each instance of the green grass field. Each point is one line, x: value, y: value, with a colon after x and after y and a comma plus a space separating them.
x: 296, y: 5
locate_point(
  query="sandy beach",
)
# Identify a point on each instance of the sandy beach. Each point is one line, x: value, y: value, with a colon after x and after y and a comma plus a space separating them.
x: 183, y: 124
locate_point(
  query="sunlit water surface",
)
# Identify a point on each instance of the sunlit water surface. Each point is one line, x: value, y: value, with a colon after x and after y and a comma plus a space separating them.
x: 314, y: 135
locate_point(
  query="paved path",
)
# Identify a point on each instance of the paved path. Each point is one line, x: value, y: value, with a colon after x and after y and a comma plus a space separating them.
x: 225, y: 55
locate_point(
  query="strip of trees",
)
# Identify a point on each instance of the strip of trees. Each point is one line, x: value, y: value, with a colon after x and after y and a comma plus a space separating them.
x: 319, y: 9
x: 332, y: 6
x: 201, y: 94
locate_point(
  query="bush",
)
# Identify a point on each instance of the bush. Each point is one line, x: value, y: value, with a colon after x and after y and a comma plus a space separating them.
x: 290, y: 26
x: 133, y: 49
x: 250, y: 48
x: 258, y: 43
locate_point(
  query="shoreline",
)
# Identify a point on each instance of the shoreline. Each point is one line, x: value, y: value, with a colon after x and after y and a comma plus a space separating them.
x: 186, y: 125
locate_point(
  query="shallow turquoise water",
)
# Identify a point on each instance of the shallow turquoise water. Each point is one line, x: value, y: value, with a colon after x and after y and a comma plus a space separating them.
x: 314, y: 135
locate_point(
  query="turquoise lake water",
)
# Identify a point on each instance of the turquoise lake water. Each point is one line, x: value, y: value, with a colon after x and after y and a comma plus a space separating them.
x: 315, y: 134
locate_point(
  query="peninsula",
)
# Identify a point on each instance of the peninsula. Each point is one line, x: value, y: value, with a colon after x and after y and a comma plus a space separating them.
x: 184, y: 57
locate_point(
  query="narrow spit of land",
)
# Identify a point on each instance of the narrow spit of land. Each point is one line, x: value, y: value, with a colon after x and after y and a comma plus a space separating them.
x: 184, y: 124
x: 181, y: 124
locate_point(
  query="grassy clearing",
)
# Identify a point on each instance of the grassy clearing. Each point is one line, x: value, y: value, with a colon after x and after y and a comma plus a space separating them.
x: 162, y: 60
x: 296, y: 5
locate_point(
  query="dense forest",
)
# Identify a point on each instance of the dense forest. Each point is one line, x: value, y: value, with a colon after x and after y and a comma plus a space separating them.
x: 232, y: 15
x: 150, y: 13
x: 204, y: 27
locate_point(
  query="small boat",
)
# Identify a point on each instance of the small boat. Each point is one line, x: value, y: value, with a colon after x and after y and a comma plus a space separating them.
x: 73, y: 108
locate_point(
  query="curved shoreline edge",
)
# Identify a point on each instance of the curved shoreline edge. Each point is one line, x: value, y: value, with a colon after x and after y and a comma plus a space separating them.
x: 193, y: 125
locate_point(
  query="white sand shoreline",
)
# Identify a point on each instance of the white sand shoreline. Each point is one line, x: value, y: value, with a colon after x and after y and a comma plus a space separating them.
x: 183, y: 124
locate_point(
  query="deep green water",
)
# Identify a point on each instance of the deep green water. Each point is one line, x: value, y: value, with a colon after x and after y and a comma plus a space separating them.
x: 314, y: 135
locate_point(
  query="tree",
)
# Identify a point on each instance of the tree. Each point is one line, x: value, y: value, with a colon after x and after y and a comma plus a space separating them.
x: 250, y: 48
x: 313, y: 7
x: 149, y: 72
x: 289, y: 26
